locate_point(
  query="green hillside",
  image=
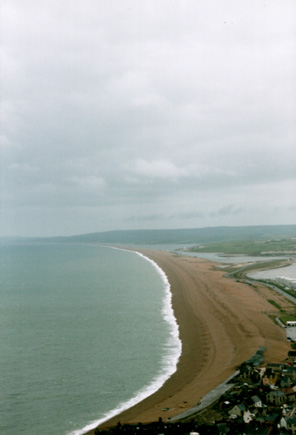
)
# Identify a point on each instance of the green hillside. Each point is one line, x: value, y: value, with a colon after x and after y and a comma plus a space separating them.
x: 209, y: 235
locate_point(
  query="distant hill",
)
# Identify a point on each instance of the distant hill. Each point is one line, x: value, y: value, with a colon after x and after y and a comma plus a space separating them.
x: 186, y: 236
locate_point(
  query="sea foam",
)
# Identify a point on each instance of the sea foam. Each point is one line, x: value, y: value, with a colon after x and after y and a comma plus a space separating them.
x: 170, y: 358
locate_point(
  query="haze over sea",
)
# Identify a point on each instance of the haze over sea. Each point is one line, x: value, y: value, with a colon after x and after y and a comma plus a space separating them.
x: 85, y: 330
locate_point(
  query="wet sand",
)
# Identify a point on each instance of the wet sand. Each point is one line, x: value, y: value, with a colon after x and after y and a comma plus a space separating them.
x: 221, y: 322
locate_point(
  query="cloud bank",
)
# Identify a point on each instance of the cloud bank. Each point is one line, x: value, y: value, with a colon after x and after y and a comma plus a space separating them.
x: 127, y: 114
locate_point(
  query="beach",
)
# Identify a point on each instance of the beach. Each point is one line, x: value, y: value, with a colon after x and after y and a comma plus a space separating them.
x: 221, y: 324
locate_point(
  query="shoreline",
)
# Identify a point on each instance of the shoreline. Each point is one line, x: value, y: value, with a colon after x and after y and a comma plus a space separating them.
x: 221, y: 324
x: 175, y: 348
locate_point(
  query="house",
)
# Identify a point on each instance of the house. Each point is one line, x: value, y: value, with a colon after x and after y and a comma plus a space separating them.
x: 285, y: 381
x: 275, y: 368
x: 290, y: 393
x: 256, y: 401
x: 246, y: 371
x: 270, y: 377
x: 291, y: 356
x: 237, y: 410
x: 241, y: 411
x: 247, y: 416
x: 271, y: 419
x: 291, y: 424
x: 276, y: 397
x: 290, y: 371
x: 283, y: 422
x: 260, y: 419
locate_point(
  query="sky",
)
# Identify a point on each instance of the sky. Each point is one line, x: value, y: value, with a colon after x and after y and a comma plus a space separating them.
x: 133, y: 114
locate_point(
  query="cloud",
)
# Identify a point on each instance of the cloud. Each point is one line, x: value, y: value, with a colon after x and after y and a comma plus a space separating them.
x: 89, y: 183
x: 146, y: 218
x: 167, y: 170
x: 158, y: 169
x: 183, y: 111
x: 227, y: 210
x: 188, y: 215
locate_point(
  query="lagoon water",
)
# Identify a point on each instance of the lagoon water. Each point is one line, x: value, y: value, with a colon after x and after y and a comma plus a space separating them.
x: 281, y: 272
x: 85, y: 332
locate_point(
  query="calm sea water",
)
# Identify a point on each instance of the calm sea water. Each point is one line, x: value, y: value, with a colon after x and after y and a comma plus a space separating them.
x: 86, y: 331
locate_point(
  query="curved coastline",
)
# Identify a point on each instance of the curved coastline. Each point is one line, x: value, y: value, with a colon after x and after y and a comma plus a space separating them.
x: 221, y: 324
x: 170, y: 358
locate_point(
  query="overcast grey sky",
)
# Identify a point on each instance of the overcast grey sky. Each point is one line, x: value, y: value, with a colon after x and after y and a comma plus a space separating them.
x: 130, y: 114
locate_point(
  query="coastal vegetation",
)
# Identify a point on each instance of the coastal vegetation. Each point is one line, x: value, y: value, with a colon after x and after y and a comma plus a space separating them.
x: 272, y: 247
x: 272, y: 302
x: 241, y: 274
x: 288, y: 318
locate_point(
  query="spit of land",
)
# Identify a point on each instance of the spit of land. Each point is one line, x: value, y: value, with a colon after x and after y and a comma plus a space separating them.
x: 222, y: 323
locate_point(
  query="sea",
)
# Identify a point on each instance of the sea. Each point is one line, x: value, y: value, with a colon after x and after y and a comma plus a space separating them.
x: 86, y: 331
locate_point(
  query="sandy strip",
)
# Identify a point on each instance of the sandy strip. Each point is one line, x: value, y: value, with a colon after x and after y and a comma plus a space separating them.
x: 222, y: 323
